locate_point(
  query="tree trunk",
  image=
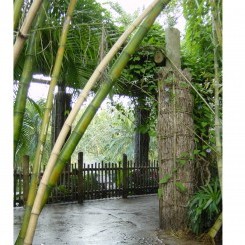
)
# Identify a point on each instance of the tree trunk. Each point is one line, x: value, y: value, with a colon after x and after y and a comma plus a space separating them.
x: 60, y: 112
x: 175, y: 140
x: 142, y: 139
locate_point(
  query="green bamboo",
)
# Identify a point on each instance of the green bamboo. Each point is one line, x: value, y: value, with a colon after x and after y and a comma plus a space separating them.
x: 89, y: 114
x: 45, y: 122
x: 23, y: 33
x: 24, y: 83
x: 17, y: 12
x: 217, y: 86
x: 218, y: 143
x: 216, y: 21
x: 93, y: 79
x: 218, y: 126
x: 216, y: 227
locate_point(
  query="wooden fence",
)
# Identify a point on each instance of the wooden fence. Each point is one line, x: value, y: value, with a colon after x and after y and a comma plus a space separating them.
x: 82, y: 181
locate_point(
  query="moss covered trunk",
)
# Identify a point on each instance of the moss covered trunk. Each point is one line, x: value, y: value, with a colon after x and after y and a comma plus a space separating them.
x: 175, y: 140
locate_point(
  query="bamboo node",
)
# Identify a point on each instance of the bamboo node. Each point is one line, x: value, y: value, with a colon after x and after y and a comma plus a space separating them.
x: 23, y: 36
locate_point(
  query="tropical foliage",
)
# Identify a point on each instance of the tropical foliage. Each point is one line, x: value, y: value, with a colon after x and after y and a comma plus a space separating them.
x: 198, y: 56
x: 83, y: 42
x: 108, y: 141
x: 30, y: 132
x: 205, y: 207
x: 92, y: 33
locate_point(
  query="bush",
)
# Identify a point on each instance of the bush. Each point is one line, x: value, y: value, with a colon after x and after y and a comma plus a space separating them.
x: 204, y: 207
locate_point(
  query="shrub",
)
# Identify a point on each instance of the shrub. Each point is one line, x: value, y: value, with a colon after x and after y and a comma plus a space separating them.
x: 204, y: 207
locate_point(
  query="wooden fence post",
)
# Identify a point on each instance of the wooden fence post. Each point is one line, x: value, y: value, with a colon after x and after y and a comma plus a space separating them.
x: 80, y: 177
x: 25, y: 166
x: 15, y: 185
x: 125, y: 176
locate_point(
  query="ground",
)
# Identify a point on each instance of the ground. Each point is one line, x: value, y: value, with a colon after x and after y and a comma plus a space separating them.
x: 101, y: 222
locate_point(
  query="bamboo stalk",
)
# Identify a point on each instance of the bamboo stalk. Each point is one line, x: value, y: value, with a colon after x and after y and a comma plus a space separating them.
x: 95, y: 76
x: 93, y: 79
x: 88, y: 116
x: 17, y: 12
x: 46, y: 118
x: 102, y: 93
x: 20, y: 103
x: 216, y: 21
x: 218, y: 223
x: 218, y: 128
x: 216, y: 227
x: 23, y: 33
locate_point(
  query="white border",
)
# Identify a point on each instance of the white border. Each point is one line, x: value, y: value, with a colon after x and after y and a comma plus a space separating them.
x: 233, y: 123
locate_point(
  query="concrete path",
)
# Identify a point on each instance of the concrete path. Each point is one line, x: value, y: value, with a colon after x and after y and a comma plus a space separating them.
x: 99, y: 222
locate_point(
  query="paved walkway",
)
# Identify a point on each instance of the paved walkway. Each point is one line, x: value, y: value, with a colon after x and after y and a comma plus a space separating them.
x: 99, y: 222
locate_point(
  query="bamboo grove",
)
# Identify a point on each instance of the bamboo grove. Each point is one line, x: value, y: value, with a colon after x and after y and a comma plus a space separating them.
x: 90, y: 112
x: 26, y: 42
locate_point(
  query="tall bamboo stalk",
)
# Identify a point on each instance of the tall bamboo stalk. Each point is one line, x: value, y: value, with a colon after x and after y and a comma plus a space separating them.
x: 216, y: 21
x: 218, y: 142
x: 95, y: 76
x: 89, y: 114
x: 93, y: 79
x: 23, y: 33
x: 215, y: 228
x: 24, y: 83
x: 218, y: 126
x: 217, y: 88
x: 45, y: 121
x: 17, y: 12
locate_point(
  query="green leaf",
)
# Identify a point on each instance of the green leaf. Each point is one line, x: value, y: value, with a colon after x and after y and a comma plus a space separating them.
x: 175, y: 170
x: 203, y: 153
x: 196, y: 152
x: 204, y: 124
x: 180, y: 187
x: 165, y: 179
x: 181, y: 162
x: 208, y: 203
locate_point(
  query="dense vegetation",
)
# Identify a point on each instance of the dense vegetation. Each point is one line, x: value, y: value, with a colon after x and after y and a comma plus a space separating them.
x: 93, y: 30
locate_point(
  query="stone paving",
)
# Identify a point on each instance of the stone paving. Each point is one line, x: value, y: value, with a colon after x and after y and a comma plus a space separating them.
x: 100, y: 222
x: 130, y: 221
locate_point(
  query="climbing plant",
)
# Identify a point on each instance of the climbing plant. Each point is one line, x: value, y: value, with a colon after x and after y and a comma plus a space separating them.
x: 198, y: 57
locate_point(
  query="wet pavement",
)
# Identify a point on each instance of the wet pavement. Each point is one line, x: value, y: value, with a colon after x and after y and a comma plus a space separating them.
x: 100, y: 222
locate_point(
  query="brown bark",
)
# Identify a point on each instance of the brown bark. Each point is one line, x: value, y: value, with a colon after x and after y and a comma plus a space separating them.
x: 175, y: 142
x: 142, y: 140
